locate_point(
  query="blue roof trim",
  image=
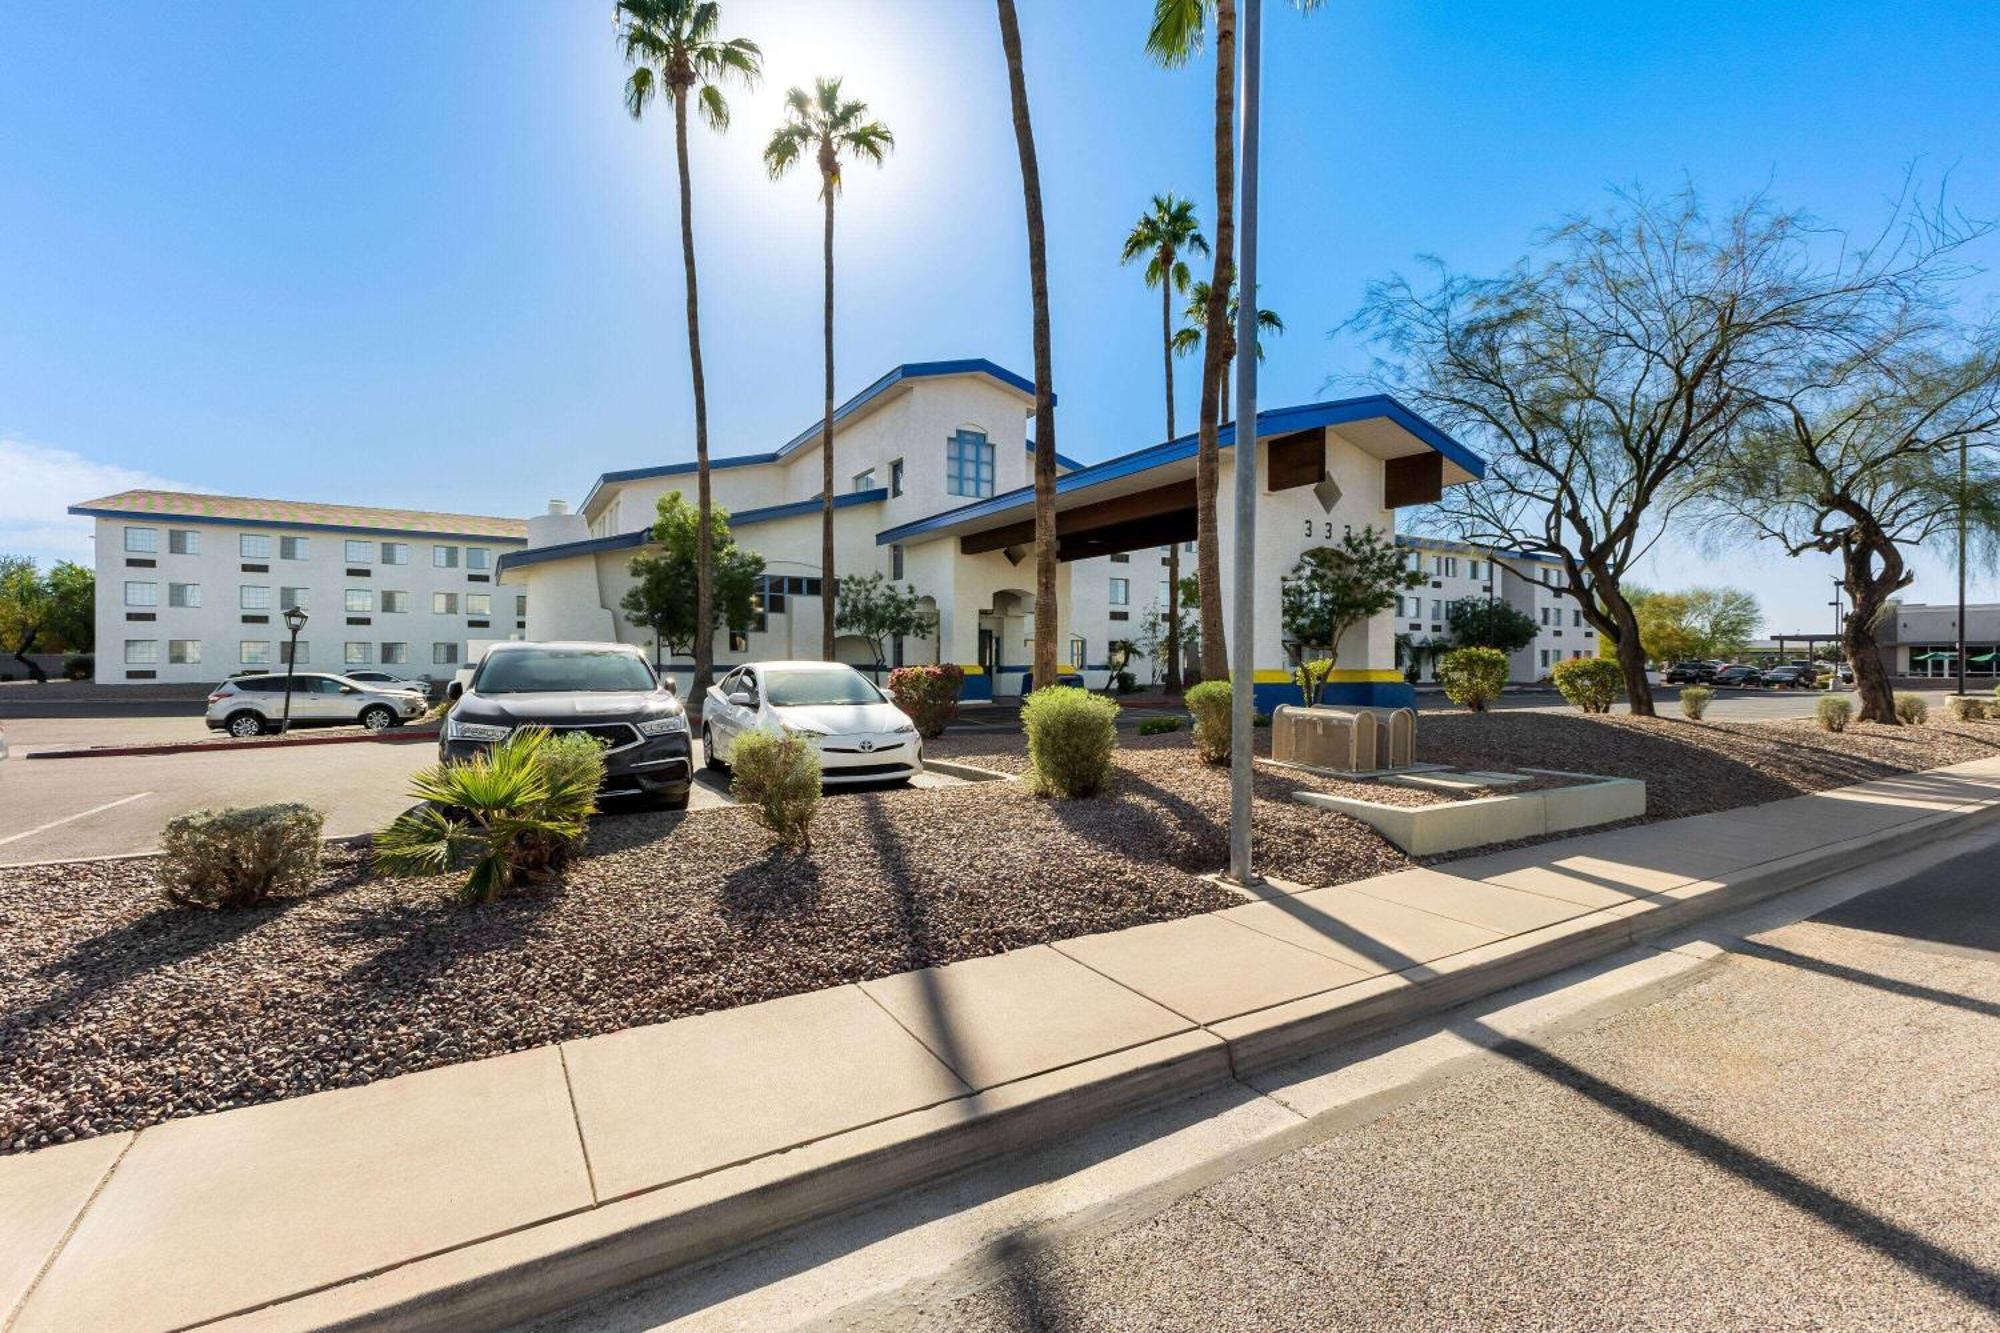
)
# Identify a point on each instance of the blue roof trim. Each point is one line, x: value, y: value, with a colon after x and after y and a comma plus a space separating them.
x: 1415, y: 540
x: 1062, y: 460
x: 1277, y: 421
x: 170, y: 520
x: 640, y: 537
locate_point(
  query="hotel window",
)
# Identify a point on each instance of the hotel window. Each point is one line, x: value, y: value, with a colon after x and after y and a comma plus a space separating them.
x: 184, y: 541
x: 299, y: 658
x: 1121, y: 592
x: 1078, y: 652
x: 895, y: 562
x: 254, y: 546
x: 896, y: 478
x: 356, y: 653
x: 359, y: 553
x: 293, y: 548
x: 255, y: 652
x: 444, y: 603
x: 1576, y: 620
x: 1437, y: 609
x: 444, y: 654
x: 444, y: 557
x: 395, y: 553
x: 395, y: 654
x: 865, y: 481
x: 479, y: 604
x: 184, y: 652
x: 359, y: 601
x: 1472, y: 569
x: 1545, y: 657
x: 184, y: 594
x: 253, y: 597
x: 394, y: 601
x: 142, y: 652
x: 1415, y: 560
x: 142, y: 594
x: 142, y: 541
x: 478, y: 557
x: 521, y: 603
x: 291, y: 597
x: 969, y: 464
x: 1451, y: 566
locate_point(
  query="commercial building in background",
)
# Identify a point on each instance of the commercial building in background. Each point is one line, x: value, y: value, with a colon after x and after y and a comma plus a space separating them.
x: 935, y: 490
x: 194, y: 588
x: 1919, y: 642
x: 1455, y: 572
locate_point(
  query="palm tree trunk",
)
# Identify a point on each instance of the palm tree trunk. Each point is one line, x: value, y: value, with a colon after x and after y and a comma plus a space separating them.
x: 827, y: 585
x: 704, y: 542
x: 1045, y: 405
x: 1173, y: 682
x: 1228, y: 369
x: 1207, y: 472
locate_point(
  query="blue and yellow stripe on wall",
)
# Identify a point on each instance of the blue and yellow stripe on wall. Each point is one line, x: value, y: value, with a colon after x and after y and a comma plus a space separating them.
x: 978, y: 685
x: 1361, y: 687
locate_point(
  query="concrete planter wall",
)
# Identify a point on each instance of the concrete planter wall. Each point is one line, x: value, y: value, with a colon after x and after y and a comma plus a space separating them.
x: 1424, y: 830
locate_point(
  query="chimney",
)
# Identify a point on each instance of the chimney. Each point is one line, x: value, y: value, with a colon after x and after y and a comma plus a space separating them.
x: 558, y: 506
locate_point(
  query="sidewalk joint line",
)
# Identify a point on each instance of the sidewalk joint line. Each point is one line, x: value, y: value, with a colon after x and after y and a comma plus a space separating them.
x: 576, y: 1119
x: 69, y: 1232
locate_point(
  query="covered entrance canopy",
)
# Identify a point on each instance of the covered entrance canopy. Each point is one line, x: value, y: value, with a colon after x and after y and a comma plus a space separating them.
x: 1147, y: 498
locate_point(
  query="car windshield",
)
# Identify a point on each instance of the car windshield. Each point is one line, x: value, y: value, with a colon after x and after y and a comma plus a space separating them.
x: 806, y: 687
x: 561, y: 670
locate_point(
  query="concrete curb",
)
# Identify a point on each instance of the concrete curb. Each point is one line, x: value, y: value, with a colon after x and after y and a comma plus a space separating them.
x: 951, y: 768
x: 554, y: 1265
x: 392, y: 736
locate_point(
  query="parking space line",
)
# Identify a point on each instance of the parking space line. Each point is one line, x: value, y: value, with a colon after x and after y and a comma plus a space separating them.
x: 81, y: 814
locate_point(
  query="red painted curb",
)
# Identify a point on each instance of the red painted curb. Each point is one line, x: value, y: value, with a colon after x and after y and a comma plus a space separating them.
x: 401, y: 736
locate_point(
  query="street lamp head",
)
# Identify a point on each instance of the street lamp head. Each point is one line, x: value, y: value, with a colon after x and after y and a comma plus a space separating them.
x: 295, y: 619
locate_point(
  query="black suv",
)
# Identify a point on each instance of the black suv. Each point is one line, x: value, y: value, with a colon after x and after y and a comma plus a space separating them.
x: 606, y: 690
x: 1690, y: 673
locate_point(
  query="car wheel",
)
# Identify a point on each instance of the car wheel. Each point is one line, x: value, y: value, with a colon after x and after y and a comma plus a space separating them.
x: 377, y: 717
x: 245, y: 725
x: 710, y: 760
x: 677, y: 800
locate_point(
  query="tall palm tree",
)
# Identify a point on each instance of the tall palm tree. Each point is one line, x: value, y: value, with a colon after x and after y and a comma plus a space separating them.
x: 1045, y: 400
x: 1188, y: 338
x: 1161, y: 236
x: 827, y: 127
x: 674, y: 52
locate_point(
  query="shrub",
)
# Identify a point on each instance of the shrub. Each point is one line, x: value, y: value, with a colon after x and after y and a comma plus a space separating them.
x: 239, y: 857
x: 1260, y: 720
x: 1966, y: 708
x: 1210, y: 703
x: 1911, y: 710
x: 1695, y: 700
x: 1473, y: 677
x: 80, y: 667
x: 778, y: 777
x: 929, y: 694
x: 1591, y: 683
x: 1155, y: 726
x: 1311, y: 677
x: 1071, y: 733
x: 520, y: 810
x: 1835, y: 712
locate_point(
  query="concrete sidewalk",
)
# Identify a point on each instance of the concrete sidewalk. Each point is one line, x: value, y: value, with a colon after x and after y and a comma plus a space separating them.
x: 483, y: 1193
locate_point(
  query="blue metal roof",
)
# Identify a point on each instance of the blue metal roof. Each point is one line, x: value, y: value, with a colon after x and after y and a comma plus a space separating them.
x: 630, y: 540
x: 1277, y: 421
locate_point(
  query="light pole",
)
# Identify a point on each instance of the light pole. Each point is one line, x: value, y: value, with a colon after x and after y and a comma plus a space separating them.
x: 1833, y: 682
x: 295, y: 620
x: 1243, y: 630
x: 1961, y: 564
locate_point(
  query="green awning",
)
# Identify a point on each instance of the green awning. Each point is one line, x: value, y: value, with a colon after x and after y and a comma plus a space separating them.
x: 1933, y: 657
x: 1983, y: 657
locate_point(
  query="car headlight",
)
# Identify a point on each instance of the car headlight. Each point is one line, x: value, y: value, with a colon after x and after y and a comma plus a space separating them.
x: 798, y: 729
x: 903, y: 730
x: 663, y: 726
x: 476, y: 731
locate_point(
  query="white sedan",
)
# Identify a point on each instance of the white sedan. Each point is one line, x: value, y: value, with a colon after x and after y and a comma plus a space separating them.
x: 860, y: 735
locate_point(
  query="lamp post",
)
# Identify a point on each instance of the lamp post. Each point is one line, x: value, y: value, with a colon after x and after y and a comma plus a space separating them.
x: 295, y: 620
x: 1243, y: 632
x: 1833, y: 681
x: 1961, y: 563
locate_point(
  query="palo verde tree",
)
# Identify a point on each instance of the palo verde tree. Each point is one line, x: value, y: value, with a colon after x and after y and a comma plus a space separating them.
x: 53, y: 611
x: 1698, y: 623
x: 880, y: 611
x: 1334, y: 588
x: 1603, y: 376
x: 663, y: 598
x: 674, y: 51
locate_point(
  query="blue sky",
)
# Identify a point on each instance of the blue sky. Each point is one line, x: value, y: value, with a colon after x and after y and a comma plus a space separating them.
x: 418, y: 254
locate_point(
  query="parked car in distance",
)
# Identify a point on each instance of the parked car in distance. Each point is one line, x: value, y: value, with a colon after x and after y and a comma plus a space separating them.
x: 1791, y: 678
x: 604, y: 690
x: 388, y: 680
x: 1690, y: 673
x: 860, y: 735
x: 252, y: 705
x: 1739, y: 675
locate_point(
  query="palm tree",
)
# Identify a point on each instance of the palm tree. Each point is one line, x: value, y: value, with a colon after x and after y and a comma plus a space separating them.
x: 674, y: 52
x: 1162, y: 234
x: 822, y: 124
x: 1189, y: 337
x: 1045, y: 401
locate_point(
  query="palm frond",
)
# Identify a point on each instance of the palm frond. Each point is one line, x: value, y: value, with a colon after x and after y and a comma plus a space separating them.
x: 1176, y: 34
x: 639, y: 91
x: 419, y: 842
x: 713, y: 105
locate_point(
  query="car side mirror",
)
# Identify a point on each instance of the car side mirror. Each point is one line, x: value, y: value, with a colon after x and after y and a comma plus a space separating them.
x: 667, y: 684
x: 453, y: 691
x: 740, y: 699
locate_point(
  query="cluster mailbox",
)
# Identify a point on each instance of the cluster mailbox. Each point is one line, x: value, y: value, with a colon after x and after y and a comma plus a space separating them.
x: 1351, y: 740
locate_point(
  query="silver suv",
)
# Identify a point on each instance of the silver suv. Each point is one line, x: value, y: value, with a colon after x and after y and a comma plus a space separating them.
x: 253, y: 705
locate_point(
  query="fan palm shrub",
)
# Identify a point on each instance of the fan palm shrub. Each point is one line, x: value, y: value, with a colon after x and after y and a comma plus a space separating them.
x: 519, y: 812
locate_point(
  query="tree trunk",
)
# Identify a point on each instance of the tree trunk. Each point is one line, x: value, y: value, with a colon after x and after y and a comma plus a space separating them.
x: 1214, y: 655
x: 1868, y: 593
x: 1631, y: 652
x: 1046, y: 610
x: 1173, y: 681
x: 827, y: 583
x: 34, y: 669
x: 704, y: 542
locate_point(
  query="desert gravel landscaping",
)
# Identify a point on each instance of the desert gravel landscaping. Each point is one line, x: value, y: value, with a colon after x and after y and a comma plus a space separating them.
x: 118, y: 1010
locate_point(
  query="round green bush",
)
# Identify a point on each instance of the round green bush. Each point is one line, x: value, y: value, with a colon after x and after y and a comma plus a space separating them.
x: 1071, y: 734
x: 1968, y: 708
x: 1591, y: 683
x: 239, y: 857
x: 1695, y: 700
x: 1155, y: 726
x: 1473, y: 677
x: 777, y: 776
x: 1210, y: 704
x: 1911, y: 710
x: 1835, y: 712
